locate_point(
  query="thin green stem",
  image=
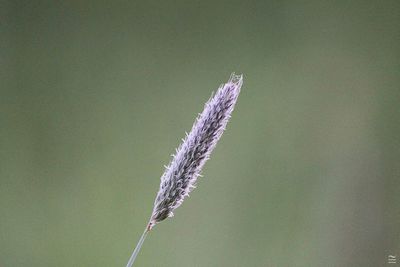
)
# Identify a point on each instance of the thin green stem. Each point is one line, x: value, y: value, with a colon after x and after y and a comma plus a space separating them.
x: 137, y: 249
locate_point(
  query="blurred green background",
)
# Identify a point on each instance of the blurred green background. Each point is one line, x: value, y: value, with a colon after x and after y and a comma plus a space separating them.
x: 96, y: 95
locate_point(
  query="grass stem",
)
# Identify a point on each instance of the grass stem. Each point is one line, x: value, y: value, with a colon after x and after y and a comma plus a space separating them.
x: 137, y: 249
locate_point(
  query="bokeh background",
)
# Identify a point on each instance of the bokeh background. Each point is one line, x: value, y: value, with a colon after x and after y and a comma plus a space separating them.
x: 96, y: 95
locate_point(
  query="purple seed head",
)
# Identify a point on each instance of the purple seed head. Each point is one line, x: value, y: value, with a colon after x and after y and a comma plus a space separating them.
x: 181, y: 174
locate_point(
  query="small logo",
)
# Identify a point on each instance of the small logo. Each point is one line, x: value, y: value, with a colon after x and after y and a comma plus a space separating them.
x: 391, y: 259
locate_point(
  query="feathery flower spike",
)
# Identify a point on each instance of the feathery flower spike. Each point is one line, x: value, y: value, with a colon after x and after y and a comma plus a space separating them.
x: 181, y: 174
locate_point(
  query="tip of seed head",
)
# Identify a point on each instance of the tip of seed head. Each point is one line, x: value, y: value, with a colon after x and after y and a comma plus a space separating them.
x: 236, y: 78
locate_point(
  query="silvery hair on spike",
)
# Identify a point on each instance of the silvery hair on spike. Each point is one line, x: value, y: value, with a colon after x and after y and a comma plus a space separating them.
x: 181, y: 174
